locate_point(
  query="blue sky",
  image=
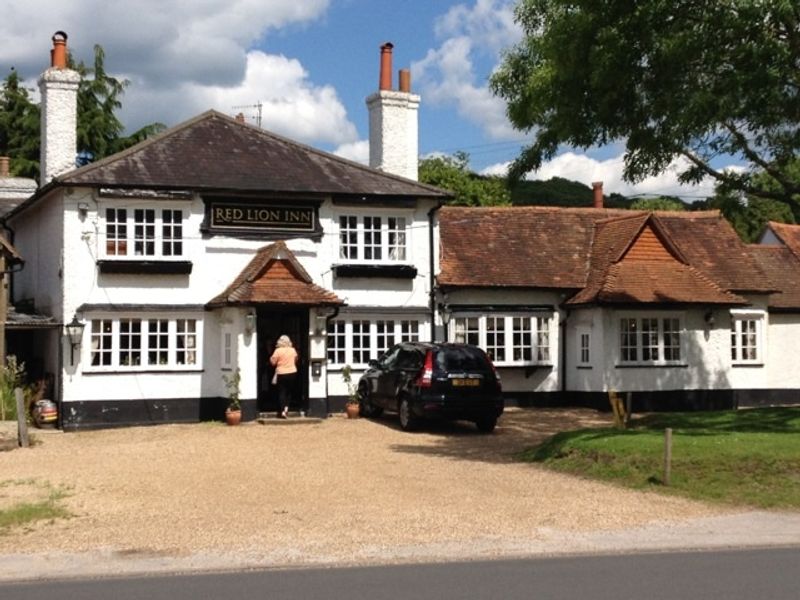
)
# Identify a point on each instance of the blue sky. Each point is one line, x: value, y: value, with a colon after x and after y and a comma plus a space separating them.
x: 311, y: 63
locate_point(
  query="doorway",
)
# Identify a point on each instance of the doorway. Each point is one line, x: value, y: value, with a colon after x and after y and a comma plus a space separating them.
x: 271, y: 324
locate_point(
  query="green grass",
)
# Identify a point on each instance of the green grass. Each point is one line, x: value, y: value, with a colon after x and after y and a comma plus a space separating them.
x: 45, y: 505
x: 747, y: 457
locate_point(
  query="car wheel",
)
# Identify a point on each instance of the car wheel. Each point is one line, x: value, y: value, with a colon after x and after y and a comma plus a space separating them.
x: 408, y: 422
x: 486, y: 425
x: 367, y: 408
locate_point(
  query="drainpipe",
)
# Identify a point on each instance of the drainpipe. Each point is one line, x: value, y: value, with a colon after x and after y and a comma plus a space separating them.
x: 563, y: 327
x: 432, y: 265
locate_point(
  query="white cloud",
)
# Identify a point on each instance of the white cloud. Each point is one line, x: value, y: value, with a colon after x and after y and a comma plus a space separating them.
x: 184, y: 57
x: 357, y: 151
x: 582, y: 168
x: 162, y: 44
x: 291, y: 104
x: 447, y: 75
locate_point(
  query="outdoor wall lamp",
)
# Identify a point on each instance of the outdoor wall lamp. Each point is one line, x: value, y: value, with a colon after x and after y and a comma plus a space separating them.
x: 83, y: 210
x: 74, y: 331
x: 445, y: 312
x: 709, y: 318
x: 250, y: 323
x: 321, y: 320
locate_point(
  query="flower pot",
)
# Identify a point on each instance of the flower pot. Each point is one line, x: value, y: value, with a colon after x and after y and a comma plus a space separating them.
x: 233, y: 417
x: 351, y: 410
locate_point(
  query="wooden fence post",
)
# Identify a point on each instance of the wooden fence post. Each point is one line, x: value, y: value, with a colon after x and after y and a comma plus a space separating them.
x: 667, y: 455
x: 22, y: 421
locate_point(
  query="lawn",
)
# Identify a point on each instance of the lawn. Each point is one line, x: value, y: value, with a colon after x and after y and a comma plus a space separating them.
x: 746, y: 457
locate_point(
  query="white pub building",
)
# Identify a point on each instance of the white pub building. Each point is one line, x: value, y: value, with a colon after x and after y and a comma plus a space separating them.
x: 181, y: 259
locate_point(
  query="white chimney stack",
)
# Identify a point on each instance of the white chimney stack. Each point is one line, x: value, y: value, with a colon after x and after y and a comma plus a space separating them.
x: 59, y: 88
x: 393, y: 122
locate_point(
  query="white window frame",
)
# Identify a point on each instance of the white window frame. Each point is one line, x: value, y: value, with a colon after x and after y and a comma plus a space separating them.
x: 168, y: 238
x: 738, y: 319
x: 383, y: 235
x: 138, y: 343
x: 499, y: 336
x: 647, y: 342
x: 373, y: 332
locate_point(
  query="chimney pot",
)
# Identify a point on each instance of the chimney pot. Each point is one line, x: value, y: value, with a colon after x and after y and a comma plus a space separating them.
x: 405, y: 81
x: 385, y: 82
x: 597, y: 188
x: 4, y: 166
x: 58, y: 55
x: 240, y: 117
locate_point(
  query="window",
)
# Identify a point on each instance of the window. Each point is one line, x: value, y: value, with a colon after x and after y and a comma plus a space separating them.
x: 373, y: 238
x: 650, y: 340
x: 227, y: 348
x: 746, y: 338
x: 584, y: 345
x: 144, y: 232
x: 510, y: 340
x: 359, y: 340
x: 151, y: 343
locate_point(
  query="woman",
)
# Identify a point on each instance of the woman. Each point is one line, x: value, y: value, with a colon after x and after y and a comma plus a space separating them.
x: 284, y: 359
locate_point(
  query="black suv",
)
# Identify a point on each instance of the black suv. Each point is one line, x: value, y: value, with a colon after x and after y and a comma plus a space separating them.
x: 423, y: 380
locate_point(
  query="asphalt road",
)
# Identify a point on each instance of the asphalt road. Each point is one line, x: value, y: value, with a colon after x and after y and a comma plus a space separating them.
x: 762, y: 574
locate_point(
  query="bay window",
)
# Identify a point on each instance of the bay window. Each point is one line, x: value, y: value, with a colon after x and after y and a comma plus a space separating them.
x: 522, y: 339
x: 356, y: 341
x: 153, y: 343
x: 650, y: 340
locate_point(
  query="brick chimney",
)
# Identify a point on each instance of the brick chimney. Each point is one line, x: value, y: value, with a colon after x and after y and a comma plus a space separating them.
x: 393, y: 122
x: 597, y: 188
x: 59, y: 89
x: 4, y: 166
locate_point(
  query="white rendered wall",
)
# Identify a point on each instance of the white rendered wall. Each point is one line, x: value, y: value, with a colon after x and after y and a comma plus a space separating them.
x: 216, y: 261
x: 393, y: 132
x: 783, y: 345
x: 59, y: 121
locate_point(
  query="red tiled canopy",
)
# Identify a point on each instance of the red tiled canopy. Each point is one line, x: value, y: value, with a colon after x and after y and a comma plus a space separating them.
x: 274, y: 276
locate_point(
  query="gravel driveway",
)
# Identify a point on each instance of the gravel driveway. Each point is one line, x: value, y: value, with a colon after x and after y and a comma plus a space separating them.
x: 309, y: 492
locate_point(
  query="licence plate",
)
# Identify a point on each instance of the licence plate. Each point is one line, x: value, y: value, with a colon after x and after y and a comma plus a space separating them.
x: 466, y: 382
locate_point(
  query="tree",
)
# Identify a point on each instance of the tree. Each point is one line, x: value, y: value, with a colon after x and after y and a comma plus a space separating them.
x: 659, y: 203
x: 695, y: 80
x: 19, y: 127
x: 99, y: 131
x: 470, y: 189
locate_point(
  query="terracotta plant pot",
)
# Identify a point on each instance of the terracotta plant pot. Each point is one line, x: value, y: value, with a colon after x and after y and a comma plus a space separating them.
x: 352, y: 411
x: 233, y: 417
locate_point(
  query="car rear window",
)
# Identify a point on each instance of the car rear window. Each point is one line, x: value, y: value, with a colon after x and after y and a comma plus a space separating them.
x: 461, y: 358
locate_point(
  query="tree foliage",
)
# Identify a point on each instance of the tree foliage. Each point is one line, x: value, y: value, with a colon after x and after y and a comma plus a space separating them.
x: 19, y: 127
x: 99, y: 131
x: 470, y: 189
x: 659, y: 203
x: 695, y: 80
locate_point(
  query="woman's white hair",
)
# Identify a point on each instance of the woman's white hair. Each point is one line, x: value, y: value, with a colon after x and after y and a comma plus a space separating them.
x: 284, y: 342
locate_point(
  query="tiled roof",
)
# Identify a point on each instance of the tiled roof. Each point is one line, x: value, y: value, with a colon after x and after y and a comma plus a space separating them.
x: 710, y: 244
x: 215, y: 152
x: 783, y: 268
x: 788, y: 234
x: 633, y: 261
x: 604, y: 255
x: 274, y: 276
x: 525, y: 246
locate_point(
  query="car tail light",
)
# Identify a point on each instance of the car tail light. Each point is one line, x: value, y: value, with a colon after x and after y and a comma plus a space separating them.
x: 426, y: 375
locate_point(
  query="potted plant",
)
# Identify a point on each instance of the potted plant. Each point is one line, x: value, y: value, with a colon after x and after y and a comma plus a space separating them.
x: 233, y: 414
x: 351, y: 404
